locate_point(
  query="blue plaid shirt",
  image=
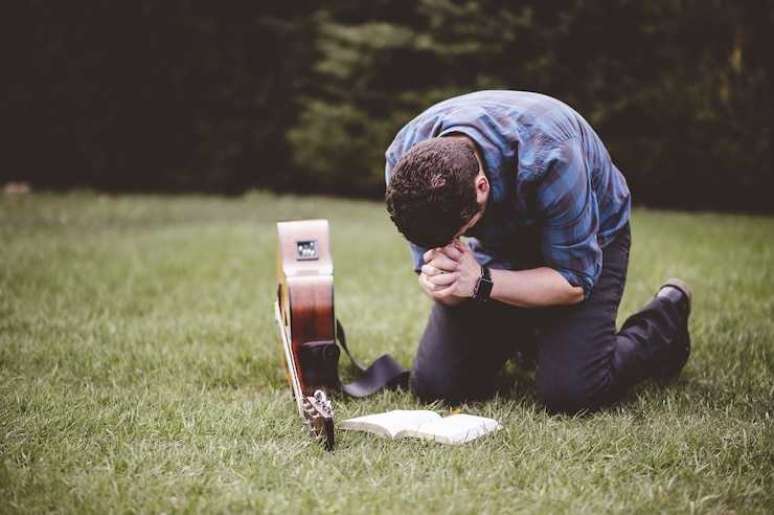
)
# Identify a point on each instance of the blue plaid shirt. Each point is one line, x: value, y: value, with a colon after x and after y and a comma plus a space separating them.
x: 556, y: 197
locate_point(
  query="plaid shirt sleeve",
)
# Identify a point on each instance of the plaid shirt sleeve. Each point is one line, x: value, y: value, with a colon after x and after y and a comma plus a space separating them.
x: 570, y: 217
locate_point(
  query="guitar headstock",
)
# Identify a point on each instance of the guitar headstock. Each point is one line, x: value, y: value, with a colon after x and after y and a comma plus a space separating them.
x: 318, y: 416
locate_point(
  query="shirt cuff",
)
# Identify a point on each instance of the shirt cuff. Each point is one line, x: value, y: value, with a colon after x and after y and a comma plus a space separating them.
x: 416, y: 256
x: 578, y: 280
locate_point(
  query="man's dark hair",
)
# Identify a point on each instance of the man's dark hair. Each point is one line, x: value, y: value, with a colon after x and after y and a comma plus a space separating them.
x: 431, y: 195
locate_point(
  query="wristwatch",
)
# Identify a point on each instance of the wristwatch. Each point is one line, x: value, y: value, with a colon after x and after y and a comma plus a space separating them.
x: 484, y: 285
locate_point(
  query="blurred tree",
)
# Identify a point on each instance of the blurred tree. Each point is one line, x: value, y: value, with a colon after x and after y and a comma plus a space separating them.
x: 669, y: 86
x: 191, y: 95
x: 152, y: 94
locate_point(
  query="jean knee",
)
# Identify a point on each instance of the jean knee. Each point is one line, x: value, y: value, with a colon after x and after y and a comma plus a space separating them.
x: 567, y: 395
x: 428, y: 386
x: 436, y: 385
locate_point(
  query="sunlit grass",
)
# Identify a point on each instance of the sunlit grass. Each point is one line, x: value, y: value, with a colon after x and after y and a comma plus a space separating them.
x: 140, y: 372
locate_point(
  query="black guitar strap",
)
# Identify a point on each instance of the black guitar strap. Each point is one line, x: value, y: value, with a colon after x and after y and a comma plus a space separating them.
x: 384, y: 372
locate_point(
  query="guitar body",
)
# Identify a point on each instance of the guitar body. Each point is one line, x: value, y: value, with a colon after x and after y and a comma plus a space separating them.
x: 306, y: 319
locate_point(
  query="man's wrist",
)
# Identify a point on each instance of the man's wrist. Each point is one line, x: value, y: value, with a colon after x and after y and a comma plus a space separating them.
x: 483, y: 289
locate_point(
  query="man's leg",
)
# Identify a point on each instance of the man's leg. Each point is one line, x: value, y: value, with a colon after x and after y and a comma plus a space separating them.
x: 462, y: 350
x: 583, y: 363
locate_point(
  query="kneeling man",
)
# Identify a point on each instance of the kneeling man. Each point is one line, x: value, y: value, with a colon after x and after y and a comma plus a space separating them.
x: 541, y: 273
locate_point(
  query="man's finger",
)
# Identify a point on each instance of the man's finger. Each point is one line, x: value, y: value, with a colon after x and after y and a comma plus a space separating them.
x: 427, y: 256
x: 445, y: 292
x: 452, y: 251
x: 443, y: 262
x: 426, y: 284
x: 441, y: 280
x: 430, y: 270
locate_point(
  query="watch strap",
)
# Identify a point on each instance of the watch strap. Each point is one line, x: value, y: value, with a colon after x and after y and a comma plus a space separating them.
x: 483, y: 289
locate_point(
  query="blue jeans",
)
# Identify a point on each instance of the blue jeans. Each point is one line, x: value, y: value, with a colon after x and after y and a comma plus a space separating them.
x: 582, y: 362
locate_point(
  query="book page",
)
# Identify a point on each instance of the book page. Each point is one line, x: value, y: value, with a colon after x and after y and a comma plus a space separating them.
x: 455, y: 429
x: 391, y: 423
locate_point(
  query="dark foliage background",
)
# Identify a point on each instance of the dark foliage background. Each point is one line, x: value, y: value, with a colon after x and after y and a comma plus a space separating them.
x: 224, y: 96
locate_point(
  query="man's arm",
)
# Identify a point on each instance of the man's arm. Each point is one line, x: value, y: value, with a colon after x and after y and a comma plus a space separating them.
x: 569, y: 216
x: 534, y: 288
x: 450, y: 276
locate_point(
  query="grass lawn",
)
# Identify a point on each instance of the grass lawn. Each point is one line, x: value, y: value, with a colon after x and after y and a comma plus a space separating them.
x: 140, y: 371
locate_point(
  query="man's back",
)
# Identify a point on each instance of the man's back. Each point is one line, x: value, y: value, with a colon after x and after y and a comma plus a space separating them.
x: 517, y: 132
x: 540, y: 156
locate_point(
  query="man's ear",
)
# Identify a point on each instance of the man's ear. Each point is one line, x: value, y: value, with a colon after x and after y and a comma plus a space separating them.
x: 482, y: 185
x: 482, y: 188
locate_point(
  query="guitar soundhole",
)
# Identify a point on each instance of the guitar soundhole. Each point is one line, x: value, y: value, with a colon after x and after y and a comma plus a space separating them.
x: 306, y: 250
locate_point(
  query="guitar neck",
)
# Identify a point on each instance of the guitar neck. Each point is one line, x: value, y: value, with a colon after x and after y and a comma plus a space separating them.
x: 295, y: 381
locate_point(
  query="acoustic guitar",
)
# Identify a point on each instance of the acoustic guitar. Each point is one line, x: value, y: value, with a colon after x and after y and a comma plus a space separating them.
x: 306, y: 320
x: 310, y: 333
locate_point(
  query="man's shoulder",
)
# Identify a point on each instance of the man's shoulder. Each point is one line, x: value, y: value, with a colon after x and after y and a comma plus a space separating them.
x: 499, y: 105
x: 466, y: 108
x: 497, y: 117
x: 501, y: 97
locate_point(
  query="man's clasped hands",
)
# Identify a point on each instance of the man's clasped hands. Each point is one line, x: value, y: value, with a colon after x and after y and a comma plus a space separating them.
x: 450, y: 274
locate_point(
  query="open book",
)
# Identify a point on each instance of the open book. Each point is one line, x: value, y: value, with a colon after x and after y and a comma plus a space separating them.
x: 454, y: 429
